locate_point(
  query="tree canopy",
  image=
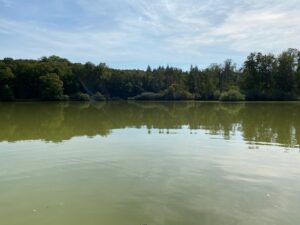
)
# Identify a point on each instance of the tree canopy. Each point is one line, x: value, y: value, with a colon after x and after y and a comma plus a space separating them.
x: 262, y: 77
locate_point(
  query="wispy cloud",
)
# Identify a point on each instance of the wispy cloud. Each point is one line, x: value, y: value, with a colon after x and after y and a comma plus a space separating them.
x: 86, y: 43
x: 135, y: 33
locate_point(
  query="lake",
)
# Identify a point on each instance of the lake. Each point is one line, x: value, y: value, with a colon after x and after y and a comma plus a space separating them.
x: 154, y: 163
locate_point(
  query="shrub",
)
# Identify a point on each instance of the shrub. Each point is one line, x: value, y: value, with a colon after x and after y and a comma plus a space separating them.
x: 148, y: 96
x: 64, y: 98
x: 232, y: 95
x: 175, y: 92
x: 98, y: 97
x: 168, y: 94
x: 80, y: 97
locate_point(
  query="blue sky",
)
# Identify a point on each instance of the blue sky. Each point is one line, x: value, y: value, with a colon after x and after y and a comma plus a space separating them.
x: 135, y: 33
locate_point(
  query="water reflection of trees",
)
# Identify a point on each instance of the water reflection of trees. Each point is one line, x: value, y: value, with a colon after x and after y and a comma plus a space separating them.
x: 257, y: 122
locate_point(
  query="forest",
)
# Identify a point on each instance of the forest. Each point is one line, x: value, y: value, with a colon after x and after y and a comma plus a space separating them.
x: 261, y: 77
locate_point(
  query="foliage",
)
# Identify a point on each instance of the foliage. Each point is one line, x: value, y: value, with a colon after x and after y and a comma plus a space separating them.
x: 148, y: 96
x: 262, y: 77
x: 80, y: 97
x: 266, y: 77
x: 171, y: 93
x: 176, y: 92
x: 65, y: 98
x: 233, y: 94
x: 6, y: 82
x: 51, y: 87
x: 98, y: 97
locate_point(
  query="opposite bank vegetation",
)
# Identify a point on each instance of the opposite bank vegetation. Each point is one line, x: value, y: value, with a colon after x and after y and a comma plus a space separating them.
x: 262, y: 77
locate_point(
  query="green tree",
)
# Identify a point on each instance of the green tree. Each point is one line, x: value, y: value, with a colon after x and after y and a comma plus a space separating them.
x: 227, y: 76
x: 6, y: 82
x: 285, y: 81
x: 262, y: 77
x: 51, y: 87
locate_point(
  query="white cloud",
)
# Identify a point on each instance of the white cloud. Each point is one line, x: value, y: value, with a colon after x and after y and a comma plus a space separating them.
x: 160, y: 31
x: 264, y: 30
x: 46, y: 41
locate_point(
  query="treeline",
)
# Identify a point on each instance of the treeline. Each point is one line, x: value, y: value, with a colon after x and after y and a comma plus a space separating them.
x: 262, y: 77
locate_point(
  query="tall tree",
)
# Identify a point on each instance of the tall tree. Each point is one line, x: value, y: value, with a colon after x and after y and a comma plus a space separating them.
x: 6, y: 82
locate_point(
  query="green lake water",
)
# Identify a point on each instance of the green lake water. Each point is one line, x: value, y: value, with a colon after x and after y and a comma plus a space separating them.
x: 154, y: 163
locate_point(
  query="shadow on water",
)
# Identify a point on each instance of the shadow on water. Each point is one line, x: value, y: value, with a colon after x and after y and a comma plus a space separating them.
x: 268, y: 123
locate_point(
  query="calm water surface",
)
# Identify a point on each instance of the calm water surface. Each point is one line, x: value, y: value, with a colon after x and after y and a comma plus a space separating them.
x: 152, y: 163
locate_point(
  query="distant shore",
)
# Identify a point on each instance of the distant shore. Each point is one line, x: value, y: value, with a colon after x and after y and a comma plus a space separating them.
x: 263, y: 77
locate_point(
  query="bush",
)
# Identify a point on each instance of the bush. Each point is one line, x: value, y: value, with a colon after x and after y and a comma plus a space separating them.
x: 232, y: 95
x: 98, y: 97
x: 174, y: 92
x: 148, y: 96
x: 80, y: 97
x: 64, y: 98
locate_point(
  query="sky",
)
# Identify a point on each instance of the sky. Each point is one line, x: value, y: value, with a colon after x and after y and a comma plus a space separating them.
x: 137, y: 33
